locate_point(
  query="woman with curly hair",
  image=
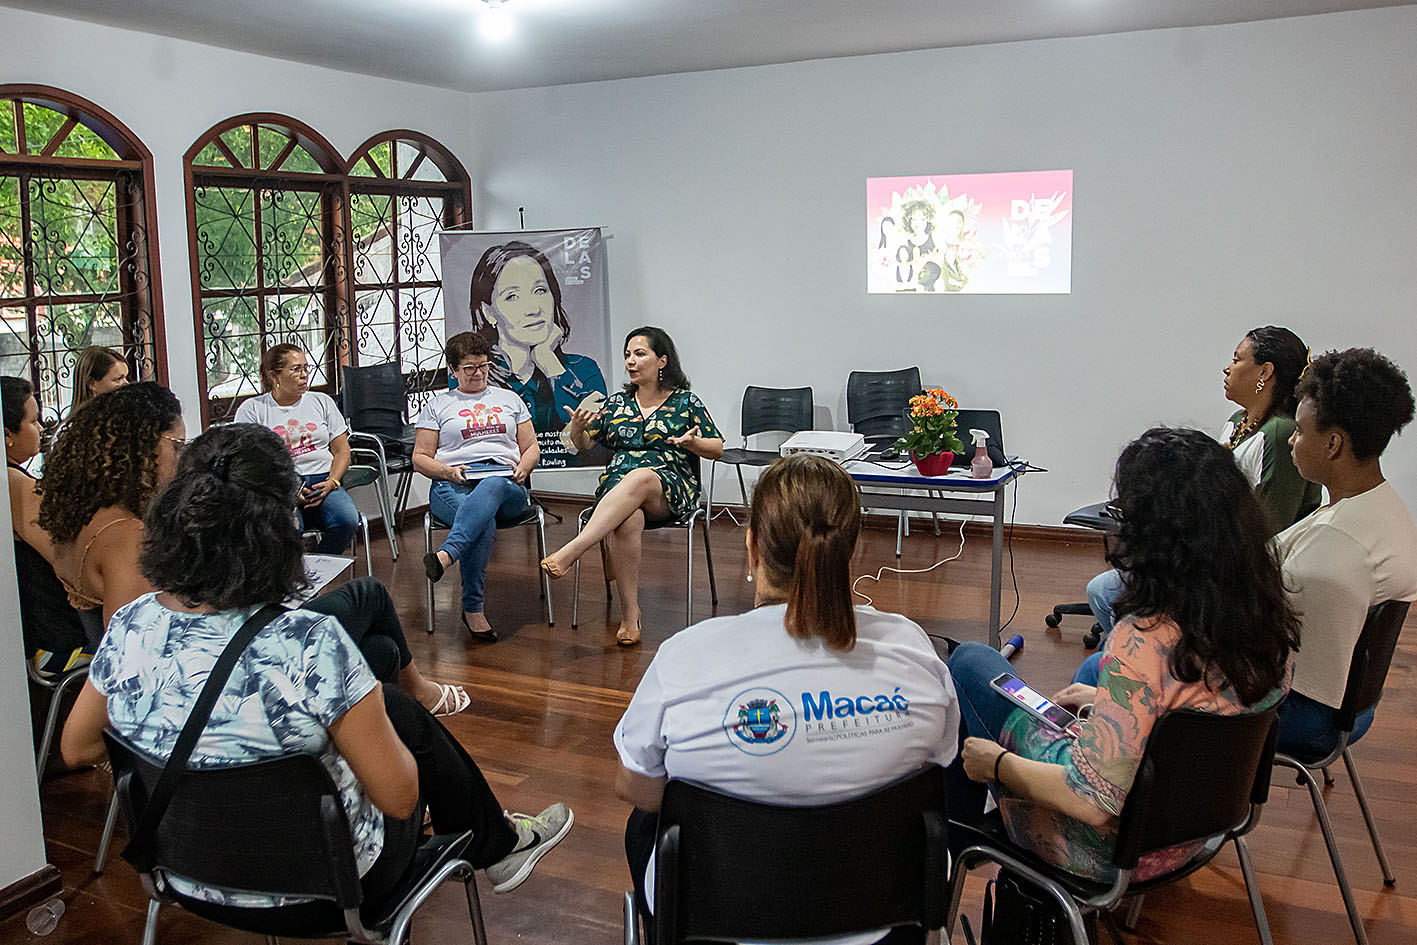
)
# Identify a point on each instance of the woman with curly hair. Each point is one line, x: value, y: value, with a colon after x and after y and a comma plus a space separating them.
x: 220, y: 545
x: 113, y: 455
x: 1207, y: 626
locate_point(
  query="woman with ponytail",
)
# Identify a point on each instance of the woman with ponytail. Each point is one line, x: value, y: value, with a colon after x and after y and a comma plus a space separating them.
x: 759, y: 704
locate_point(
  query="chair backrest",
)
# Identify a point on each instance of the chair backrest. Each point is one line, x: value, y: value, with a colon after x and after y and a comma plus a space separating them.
x: 275, y: 827
x: 1200, y: 776
x: 374, y: 398
x: 877, y: 401
x: 730, y: 869
x: 771, y: 409
x: 986, y: 420
x: 1372, y: 657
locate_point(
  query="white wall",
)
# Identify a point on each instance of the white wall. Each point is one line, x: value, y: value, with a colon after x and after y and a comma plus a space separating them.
x: 1225, y: 178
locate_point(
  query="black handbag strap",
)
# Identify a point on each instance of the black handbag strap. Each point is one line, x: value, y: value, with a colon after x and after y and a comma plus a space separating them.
x: 138, y: 850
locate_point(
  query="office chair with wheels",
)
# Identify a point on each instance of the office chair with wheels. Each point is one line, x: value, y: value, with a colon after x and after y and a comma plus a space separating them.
x: 765, y: 410
x: 732, y: 870
x: 877, y: 407
x: 1372, y: 657
x: 535, y: 515
x: 1095, y: 517
x: 376, y: 407
x: 1203, y: 776
x: 276, y: 827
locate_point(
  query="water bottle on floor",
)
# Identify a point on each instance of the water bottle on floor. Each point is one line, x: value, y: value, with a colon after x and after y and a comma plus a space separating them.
x: 44, y: 917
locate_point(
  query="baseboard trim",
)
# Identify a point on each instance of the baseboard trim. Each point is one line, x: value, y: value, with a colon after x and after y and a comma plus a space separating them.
x: 37, y: 887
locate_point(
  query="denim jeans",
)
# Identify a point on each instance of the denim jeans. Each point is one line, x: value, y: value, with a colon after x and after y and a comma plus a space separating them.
x: 1101, y: 592
x: 473, y: 510
x: 1306, y: 729
x: 973, y: 666
x: 336, y: 518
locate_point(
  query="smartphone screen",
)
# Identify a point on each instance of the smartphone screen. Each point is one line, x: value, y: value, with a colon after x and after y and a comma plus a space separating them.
x: 1015, y: 688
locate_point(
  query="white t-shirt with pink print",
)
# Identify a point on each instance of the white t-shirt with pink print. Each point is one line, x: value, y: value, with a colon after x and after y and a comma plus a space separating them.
x: 475, y: 428
x: 306, y: 427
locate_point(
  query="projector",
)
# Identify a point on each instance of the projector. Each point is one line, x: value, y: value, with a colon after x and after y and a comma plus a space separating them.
x: 829, y: 444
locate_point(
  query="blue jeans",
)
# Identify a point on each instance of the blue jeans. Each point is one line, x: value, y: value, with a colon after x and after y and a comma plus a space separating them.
x: 473, y: 511
x: 972, y: 667
x: 336, y: 518
x: 1101, y: 592
x: 1306, y: 729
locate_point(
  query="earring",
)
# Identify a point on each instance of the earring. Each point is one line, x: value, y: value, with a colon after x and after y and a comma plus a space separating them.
x: 1259, y: 386
x: 750, y: 577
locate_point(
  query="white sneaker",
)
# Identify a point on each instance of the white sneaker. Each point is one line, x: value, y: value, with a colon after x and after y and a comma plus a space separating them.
x: 535, y: 838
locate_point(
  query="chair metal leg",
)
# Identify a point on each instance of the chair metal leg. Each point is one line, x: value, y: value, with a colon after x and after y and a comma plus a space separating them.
x: 631, y: 920
x: 541, y: 551
x: 150, y: 929
x: 428, y: 585
x: 272, y: 940
x: 900, y: 531
x: 1328, y: 777
x: 1388, y: 879
x: 386, y: 512
x: 576, y: 586
x: 104, y: 840
x: 1321, y: 809
x: 742, y: 489
x: 474, y: 909
x: 368, y: 553
x: 689, y: 595
x: 1252, y: 886
x: 1134, y: 912
x: 708, y: 493
x: 708, y: 559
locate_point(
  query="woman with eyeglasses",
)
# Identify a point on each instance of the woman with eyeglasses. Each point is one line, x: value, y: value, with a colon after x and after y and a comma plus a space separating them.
x: 478, y: 445
x: 315, y: 432
x: 114, y: 453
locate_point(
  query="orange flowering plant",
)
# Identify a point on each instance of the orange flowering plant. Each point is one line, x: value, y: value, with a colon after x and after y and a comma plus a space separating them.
x: 932, y: 418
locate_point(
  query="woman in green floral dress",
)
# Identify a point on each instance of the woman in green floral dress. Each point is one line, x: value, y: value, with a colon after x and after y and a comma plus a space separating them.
x: 658, y: 430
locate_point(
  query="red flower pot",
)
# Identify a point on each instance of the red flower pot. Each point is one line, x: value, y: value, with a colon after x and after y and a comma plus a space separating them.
x: 937, y: 465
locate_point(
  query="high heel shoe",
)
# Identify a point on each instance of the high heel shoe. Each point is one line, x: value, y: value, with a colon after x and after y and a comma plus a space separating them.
x: 627, y: 637
x: 552, y: 571
x: 433, y: 567
x: 481, y: 636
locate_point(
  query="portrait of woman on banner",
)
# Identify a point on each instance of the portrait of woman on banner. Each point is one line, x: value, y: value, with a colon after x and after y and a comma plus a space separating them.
x: 516, y: 305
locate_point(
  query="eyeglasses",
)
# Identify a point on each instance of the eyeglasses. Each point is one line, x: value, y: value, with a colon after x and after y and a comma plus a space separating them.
x: 299, y: 369
x: 178, y: 444
x: 473, y: 369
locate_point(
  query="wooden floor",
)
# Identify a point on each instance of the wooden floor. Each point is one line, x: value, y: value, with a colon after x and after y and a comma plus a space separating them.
x: 545, y: 700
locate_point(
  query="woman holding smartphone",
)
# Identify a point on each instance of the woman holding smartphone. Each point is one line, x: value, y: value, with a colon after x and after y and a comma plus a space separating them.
x: 1208, y: 627
x: 476, y: 442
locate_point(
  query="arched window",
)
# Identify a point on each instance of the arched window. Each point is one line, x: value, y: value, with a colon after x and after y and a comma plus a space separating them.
x: 291, y: 244
x: 403, y: 188
x: 77, y: 267
x: 266, y: 210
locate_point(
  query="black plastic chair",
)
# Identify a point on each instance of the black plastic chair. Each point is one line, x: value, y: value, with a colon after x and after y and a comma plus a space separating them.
x: 731, y: 870
x: 376, y: 407
x: 877, y: 403
x: 1095, y: 517
x: 535, y: 515
x: 1372, y: 657
x: 765, y: 410
x: 1203, y: 777
x: 278, y: 828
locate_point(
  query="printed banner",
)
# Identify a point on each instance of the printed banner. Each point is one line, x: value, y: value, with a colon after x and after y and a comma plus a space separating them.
x: 540, y: 298
x: 970, y: 233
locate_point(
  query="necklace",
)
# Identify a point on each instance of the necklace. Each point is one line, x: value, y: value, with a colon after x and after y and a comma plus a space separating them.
x: 1243, y: 429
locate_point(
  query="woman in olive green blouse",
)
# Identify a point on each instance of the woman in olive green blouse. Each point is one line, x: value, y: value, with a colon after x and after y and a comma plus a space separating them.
x: 659, y: 431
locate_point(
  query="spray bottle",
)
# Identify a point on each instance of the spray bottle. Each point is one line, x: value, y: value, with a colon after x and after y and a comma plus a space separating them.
x: 982, y: 466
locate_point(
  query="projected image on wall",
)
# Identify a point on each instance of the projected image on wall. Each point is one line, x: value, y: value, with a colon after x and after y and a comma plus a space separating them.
x: 970, y: 233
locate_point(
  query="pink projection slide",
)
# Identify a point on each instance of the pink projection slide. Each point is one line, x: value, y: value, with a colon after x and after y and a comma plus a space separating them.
x: 970, y: 233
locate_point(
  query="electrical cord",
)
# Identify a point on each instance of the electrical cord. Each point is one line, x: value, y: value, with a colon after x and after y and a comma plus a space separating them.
x: 884, y: 569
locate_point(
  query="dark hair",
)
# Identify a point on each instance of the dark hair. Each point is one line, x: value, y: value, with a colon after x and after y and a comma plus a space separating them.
x: 93, y: 364
x: 464, y: 345
x: 805, y: 517
x: 222, y: 532
x: 105, y: 455
x: 672, y: 374
x: 484, y: 285
x: 273, y: 360
x: 1288, y: 353
x: 1192, y: 550
x: 909, y: 208
x: 1360, y: 392
x: 14, y: 391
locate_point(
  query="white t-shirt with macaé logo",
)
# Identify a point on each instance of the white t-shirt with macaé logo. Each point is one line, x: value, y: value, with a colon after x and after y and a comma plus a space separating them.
x: 475, y: 428
x: 306, y: 427
x: 736, y: 703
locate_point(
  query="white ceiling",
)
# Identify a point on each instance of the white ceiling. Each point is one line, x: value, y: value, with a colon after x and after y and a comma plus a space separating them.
x: 437, y: 42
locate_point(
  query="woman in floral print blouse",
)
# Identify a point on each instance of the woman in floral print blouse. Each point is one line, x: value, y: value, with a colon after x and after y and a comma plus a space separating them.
x: 659, y: 431
x: 1208, y: 627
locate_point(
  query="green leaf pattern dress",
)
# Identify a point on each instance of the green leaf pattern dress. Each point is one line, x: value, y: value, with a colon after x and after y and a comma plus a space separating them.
x: 643, y: 443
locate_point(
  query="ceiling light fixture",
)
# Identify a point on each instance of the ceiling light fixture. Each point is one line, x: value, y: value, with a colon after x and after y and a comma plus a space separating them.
x: 497, y: 23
